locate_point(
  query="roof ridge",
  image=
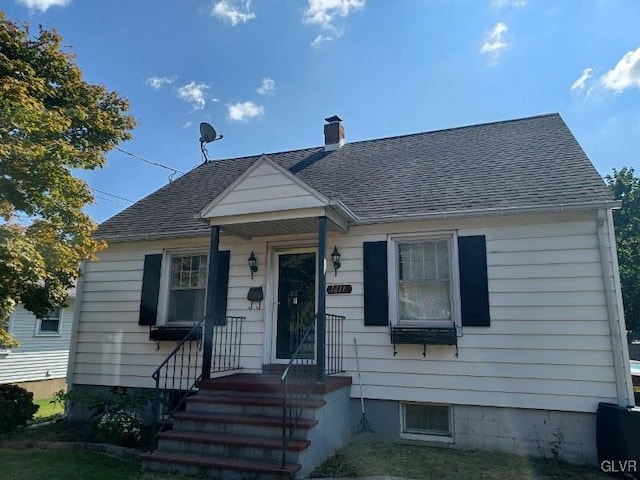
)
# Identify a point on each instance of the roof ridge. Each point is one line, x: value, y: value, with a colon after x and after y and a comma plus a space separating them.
x: 475, y: 125
x: 463, y: 127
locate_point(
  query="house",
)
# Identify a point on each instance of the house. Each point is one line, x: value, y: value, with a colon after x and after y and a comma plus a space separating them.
x: 39, y: 364
x: 475, y: 268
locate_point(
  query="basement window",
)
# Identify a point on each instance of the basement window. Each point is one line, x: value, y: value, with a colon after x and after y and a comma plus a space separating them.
x: 426, y: 421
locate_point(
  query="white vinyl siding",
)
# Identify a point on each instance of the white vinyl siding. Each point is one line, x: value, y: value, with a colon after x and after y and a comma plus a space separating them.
x: 548, y: 346
x: 112, y: 349
x: 39, y: 357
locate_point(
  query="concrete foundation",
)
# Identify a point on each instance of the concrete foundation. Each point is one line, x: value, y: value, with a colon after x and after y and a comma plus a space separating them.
x: 569, y: 436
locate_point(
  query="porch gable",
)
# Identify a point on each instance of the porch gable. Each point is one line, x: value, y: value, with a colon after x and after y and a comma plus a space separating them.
x: 265, y: 187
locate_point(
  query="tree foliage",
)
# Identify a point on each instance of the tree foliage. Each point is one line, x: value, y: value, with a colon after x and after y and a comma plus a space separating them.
x: 52, y: 122
x: 626, y: 187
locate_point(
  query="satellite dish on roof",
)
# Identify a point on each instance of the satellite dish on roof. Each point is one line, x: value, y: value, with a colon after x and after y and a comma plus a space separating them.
x: 207, y: 135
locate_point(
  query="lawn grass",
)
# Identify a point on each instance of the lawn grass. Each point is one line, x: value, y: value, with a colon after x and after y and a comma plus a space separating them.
x: 356, y: 460
x: 418, y: 462
x: 47, y: 410
x: 62, y: 465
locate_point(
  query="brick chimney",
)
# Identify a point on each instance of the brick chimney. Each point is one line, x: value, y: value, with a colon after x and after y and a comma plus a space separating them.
x: 333, y: 133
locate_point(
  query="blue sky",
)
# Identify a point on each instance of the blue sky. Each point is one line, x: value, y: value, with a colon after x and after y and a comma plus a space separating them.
x: 266, y: 73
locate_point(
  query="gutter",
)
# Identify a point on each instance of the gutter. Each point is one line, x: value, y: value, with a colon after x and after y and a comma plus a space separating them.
x: 355, y: 220
x: 615, y: 311
x: 498, y: 211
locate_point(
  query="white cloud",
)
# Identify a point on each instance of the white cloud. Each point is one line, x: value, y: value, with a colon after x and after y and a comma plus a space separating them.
x: 233, y: 11
x: 187, y: 124
x: 324, y: 13
x: 508, y: 3
x: 43, y: 5
x: 494, y: 43
x: 243, y: 111
x: 625, y: 74
x: 158, y: 82
x: 324, y: 38
x: 193, y: 93
x: 581, y: 82
x: 268, y: 86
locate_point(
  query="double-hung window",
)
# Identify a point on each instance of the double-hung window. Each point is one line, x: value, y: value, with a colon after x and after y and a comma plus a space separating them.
x: 187, y: 288
x: 50, y: 323
x: 424, y: 280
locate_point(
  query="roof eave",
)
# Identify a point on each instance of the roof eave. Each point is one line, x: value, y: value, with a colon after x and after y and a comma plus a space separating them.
x: 353, y: 219
x: 498, y: 211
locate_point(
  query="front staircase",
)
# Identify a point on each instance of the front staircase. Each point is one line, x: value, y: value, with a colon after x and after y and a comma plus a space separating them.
x: 232, y: 428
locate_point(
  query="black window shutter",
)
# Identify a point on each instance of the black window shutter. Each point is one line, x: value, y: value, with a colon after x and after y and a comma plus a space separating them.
x: 221, y: 288
x: 474, y: 286
x: 376, y: 289
x: 150, y: 289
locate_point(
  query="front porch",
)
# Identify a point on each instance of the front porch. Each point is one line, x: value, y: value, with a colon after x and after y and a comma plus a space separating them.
x: 254, y: 424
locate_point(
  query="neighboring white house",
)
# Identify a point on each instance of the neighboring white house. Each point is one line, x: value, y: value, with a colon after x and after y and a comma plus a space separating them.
x: 39, y: 364
x: 478, y: 273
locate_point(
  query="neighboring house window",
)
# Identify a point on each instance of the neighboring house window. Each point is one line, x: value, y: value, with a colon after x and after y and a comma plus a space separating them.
x: 187, y: 288
x: 50, y: 323
x: 425, y: 276
x: 426, y: 420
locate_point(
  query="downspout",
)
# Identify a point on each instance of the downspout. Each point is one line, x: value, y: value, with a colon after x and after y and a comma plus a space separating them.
x: 615, y: 311
x: 73, y: 342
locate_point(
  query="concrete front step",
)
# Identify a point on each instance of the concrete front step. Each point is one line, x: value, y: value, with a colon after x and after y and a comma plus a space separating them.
x: 238, y: 424
x: 232, y: 445
x: 245, y: 405
x: 218, y: 467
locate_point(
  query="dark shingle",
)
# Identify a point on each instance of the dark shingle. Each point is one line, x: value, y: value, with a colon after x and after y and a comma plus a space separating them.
x: 521, y: 163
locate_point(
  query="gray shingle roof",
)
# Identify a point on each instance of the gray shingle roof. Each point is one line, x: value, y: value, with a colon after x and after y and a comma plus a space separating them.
x: 525, y: 163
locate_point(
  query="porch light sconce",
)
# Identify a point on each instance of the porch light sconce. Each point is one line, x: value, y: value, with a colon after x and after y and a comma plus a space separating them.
x: 335, y: 258
x: 253, y: 263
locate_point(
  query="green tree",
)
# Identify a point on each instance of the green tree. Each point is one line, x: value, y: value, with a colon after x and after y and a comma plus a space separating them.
x: 626, y: 187
x: 52, y: 122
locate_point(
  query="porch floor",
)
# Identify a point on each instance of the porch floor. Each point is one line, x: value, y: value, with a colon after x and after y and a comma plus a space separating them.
x: 267, y: 382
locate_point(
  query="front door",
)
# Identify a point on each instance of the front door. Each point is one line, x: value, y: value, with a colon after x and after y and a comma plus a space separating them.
x: 296, y: 305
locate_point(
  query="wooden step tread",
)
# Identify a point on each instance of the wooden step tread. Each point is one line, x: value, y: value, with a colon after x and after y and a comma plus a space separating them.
x: 248, y: 400
x: 228, y: 463
x: 305, y: 423
x: 233, y: 439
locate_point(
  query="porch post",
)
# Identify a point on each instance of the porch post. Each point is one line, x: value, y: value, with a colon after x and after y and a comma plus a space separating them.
x: 322, y: 286
x: 212, y: 281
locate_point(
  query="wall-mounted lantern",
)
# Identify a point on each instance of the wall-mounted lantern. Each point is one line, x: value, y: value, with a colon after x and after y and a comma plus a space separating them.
x: 253, y: 263
x: 335, y: 258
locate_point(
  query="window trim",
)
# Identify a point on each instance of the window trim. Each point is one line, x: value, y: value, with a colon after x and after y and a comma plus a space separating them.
x: 426, y: 437
x: 40, y: 333
x: 454, y: 293
x: 165, y: 284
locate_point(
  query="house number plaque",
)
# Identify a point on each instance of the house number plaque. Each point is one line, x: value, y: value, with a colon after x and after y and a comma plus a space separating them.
x: 337, y: 289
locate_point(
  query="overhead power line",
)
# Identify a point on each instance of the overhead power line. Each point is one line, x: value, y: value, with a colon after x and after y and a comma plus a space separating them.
x: 171, y: 169
x: 111, y: 195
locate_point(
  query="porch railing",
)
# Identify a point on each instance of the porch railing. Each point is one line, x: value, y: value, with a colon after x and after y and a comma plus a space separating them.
x: 301, y: 374
x: 177, y: 376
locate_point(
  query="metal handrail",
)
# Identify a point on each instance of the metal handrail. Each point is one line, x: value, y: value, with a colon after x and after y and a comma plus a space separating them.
x: 290, y: 414
x: 191, y: 386
x: 182, y: 370
x: 296, y: 395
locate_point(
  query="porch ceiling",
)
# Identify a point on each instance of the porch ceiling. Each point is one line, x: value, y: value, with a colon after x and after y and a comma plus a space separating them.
x: 278, y: 227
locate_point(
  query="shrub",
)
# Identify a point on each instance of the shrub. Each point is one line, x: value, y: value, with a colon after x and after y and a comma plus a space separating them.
x: 16, y: 407
x: 120, y: 428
